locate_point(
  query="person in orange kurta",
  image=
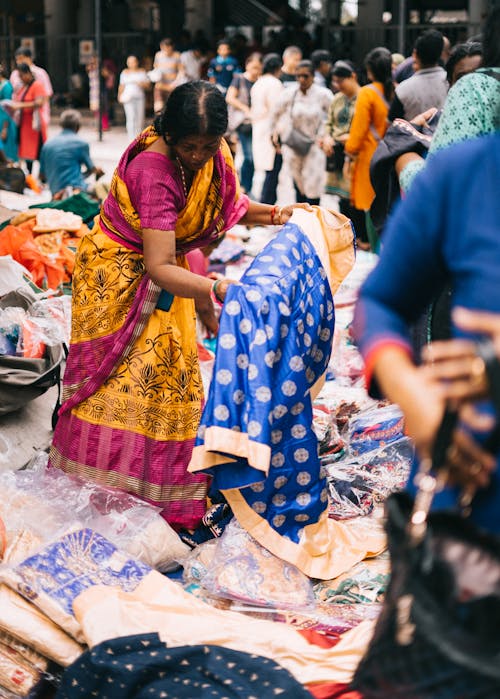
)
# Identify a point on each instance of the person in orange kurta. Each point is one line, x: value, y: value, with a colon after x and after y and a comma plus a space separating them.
x: 32, y: 124
x: 368, y: 127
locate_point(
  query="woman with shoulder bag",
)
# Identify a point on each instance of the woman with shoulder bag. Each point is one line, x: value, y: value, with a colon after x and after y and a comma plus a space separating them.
x: 300, y: 117
x: 240, y: 123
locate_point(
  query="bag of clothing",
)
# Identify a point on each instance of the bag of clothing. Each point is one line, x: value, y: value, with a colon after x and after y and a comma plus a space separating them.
x: 437, y: 636
x: 24, y: 378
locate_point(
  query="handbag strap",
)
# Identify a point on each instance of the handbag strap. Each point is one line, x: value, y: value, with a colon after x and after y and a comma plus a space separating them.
x: 291, y: 112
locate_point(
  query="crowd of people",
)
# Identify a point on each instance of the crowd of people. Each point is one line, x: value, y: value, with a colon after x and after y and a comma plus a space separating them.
x: 133, y: 392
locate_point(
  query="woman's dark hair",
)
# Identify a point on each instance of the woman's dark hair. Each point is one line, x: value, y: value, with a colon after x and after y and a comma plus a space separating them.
x: 470, y: 48
x: 343, y: 69
x: 272, y: 63
x: 255, y: 56
x: 379, y: 62
x: 24, y: 69
x: 307, y: 65
x: 491, y: 40
x: 196, y: 108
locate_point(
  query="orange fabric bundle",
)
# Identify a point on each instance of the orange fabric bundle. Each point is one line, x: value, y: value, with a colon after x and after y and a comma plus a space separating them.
x: 46, y: 256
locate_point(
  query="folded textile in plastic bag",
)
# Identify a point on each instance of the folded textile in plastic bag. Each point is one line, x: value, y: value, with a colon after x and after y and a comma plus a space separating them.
x: 243, y: 570
x: 375, y: 428
x: 54, y: 576
x: 45, y: 501
x: 29, y: 625
x: 379, y: 471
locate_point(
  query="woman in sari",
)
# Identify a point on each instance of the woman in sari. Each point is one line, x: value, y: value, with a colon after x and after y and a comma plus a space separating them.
x: 32, y: 123
x: 133, y: 390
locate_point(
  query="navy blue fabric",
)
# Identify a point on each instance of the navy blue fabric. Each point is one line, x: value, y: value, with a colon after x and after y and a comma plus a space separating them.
x: 143, y: 667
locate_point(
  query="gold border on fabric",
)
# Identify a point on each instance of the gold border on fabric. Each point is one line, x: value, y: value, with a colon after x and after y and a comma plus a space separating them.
x: 326, y: 548
x: 224, y: 440
x: 131, y: 484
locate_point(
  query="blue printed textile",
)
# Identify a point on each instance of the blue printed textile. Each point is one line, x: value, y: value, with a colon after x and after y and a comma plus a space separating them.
x: 274, y: 343
x: 59, y: 573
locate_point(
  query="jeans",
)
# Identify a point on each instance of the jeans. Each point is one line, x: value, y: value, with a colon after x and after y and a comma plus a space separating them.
x: 247, y: 168
x: 270, y: 186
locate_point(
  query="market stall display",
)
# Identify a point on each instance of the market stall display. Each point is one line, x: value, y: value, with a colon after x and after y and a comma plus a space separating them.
x: 82, y: 574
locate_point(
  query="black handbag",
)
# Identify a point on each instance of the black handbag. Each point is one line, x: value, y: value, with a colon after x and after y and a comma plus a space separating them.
x: 438, y: 633
x: 335, y: 161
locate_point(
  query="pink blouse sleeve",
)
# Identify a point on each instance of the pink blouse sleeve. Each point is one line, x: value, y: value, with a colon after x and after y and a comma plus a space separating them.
x: 154, y: 192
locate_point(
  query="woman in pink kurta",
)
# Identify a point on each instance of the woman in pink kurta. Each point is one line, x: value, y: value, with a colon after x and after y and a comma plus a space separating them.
x: 32, y: 124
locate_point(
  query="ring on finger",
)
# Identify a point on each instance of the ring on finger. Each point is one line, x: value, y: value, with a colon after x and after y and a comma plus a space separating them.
x: 475, y: 469
x: 477, y: 371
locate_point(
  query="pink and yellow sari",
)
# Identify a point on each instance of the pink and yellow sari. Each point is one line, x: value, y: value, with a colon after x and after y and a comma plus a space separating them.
x: 132, y: 386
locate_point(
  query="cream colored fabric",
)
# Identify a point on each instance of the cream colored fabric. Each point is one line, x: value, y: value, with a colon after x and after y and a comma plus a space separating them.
x: 26, y: 623
x: 160, y: 605
x: 331, y: 235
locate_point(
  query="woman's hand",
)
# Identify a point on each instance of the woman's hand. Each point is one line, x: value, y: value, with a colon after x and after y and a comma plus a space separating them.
x: 328, y: 144
x: 222, y: 286
x: 208, y: 316
x: 455, y: 364
x: 285, y: 212
x: 468, y: 464
x: 423, y: 118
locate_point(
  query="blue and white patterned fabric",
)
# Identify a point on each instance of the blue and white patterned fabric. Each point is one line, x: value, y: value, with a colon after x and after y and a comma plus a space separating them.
x: 274, y: 343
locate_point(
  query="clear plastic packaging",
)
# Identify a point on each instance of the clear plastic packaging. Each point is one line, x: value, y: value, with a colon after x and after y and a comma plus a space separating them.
x: 26, y: 333
x: 54, y: 576
x: 243, y: 570
x: 375, y: 428
x: 379, y: 472
x: 364, y: 584
x: 42, y: 502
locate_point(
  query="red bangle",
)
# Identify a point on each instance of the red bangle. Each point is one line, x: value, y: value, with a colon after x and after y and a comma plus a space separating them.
x: 273, y: 214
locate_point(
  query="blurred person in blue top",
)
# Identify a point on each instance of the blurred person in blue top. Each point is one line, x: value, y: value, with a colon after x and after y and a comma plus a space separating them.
x: 223, y: 67
x: 446, y: 229
x: 8, y: 127
x: 63, y: 156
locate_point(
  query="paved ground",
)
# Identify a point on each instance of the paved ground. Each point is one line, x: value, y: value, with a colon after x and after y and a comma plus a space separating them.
x: 27, y: 430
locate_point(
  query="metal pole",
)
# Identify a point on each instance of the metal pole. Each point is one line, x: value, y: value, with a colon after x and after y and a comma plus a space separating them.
x: 326, y: 28
x: 98, y: 50
x: 402, y: 27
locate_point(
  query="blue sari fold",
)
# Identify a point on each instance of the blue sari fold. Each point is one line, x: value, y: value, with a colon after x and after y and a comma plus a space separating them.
x: 256, y: 438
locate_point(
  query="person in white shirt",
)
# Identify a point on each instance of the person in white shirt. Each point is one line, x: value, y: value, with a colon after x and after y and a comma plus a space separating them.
x: 131, y: 93
x: 304, y: 109
x: 264, y: 97
x: 192, y: 61
x: 322, y: 64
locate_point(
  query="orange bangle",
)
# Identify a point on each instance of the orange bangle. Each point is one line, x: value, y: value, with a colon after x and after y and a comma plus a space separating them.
x: 273, y: 214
